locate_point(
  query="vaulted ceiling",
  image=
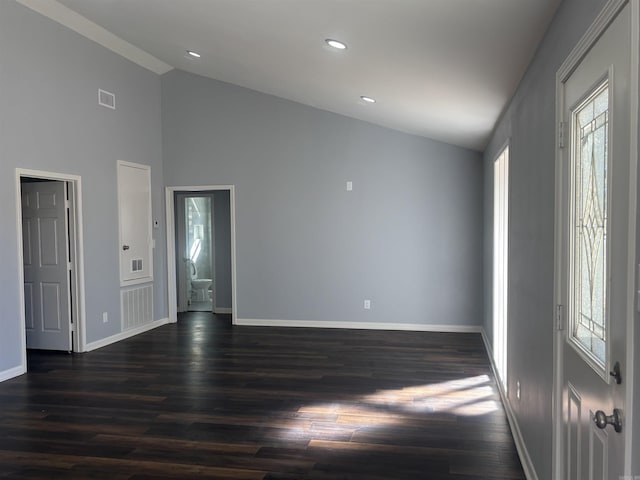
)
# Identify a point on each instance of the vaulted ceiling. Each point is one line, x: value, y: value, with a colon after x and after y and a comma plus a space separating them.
x: 443, y: 69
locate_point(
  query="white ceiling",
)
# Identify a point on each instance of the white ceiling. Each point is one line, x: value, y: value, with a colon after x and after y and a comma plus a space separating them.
x: 443, y: 69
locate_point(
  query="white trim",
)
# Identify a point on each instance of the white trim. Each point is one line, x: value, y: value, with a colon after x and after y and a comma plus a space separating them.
x: 591, y: 36
x: 223, y: 310
x: 521, y: 447
x: 79, y: 334
x: 500, y: 264
x: 126, y: 334
x: 85, y: 27
x: 20, y: 272
x: 412, y: 327
x: 172, y: 297
x: 171, y: 247
x: 600, y: 24
x: 12, y: 372
x: 634, y: 103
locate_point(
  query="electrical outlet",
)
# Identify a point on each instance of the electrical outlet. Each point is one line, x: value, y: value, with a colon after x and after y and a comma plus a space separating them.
x: 105, y: 317
x: 367, y: 304
x: 518, y: 389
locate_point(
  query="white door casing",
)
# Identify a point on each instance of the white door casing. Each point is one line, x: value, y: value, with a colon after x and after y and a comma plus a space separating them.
x: 500, y: 262
x: 182, y: 262
x: 46, y: 265
x: 134, y: 211
x: 594, y: 237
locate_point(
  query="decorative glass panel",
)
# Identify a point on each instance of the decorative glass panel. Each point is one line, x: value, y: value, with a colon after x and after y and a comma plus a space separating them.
x: 589, y: 239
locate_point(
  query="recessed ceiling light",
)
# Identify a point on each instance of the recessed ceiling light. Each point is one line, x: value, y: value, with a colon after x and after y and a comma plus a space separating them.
x: 368, y: 99
x: 336, y: 44
x: 193, y: 54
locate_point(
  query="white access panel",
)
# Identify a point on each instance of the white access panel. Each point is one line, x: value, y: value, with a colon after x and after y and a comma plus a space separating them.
x: 134, y: 210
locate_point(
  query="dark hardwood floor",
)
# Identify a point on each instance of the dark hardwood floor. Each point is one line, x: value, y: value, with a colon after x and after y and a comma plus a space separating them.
x: 202, y: 399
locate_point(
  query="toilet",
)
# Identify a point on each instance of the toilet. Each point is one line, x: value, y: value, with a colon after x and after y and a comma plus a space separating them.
x: 200, y: 285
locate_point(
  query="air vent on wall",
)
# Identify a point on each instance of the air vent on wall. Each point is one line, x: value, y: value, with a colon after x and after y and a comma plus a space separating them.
x: 136, y: 265
x: 106, y: 99
x: 136, y: 306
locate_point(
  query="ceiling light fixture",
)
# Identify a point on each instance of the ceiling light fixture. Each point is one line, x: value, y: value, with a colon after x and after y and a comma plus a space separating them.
x: 368, y: 99
x: 338, y: 45
x: 193, y: 54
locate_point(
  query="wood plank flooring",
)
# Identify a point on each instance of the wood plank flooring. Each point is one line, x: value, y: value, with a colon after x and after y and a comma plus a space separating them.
x: 203, y: 399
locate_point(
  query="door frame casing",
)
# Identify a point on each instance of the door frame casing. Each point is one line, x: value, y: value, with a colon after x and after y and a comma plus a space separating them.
x: 77, y: 245
x: 591, y: 36
x: 171, y: 244
x: 506, y: 147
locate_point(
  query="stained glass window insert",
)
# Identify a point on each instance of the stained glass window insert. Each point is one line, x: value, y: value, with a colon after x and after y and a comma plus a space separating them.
x: 589, y: 239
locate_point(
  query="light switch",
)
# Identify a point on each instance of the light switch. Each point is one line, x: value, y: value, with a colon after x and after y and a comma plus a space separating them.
x: 349, y: 186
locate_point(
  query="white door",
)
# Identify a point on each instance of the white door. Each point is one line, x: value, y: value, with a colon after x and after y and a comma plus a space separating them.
x: 594, y: 243
x: 46, y: 265
x: 134, y: 209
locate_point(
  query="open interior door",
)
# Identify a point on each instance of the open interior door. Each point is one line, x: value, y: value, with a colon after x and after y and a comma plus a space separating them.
x: 46, y: 265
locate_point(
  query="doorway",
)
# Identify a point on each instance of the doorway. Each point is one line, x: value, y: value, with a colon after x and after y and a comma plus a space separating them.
x: 48, y: 214
x: 197, y: 250
x: 201, y: 249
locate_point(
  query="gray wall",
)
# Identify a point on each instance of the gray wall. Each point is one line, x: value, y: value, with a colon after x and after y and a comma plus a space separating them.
x: 408, y: 237
x: 50, y: 120
x: 529, y: 123
x: 222, y: 246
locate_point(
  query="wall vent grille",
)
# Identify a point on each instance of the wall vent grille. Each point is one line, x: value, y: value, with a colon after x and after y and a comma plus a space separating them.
x: 106, y: 99
x: 136, y: 265
x: 137, y: 306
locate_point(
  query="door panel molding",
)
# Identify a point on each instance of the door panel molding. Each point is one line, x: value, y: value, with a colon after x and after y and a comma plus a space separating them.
x: 574, y: 435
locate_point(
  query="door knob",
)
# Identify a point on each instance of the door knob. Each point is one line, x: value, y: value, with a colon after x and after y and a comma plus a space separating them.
x: 125, y: 247
x: 601, y: 419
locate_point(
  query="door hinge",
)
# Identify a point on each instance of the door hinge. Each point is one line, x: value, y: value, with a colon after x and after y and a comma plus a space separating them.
x: 560, y: 317
x: 561, y: 130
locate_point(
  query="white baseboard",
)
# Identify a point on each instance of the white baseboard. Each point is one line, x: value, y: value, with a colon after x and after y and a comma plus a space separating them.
x: 523, y: 453
x: 413, y: 327
x: 126, y: 334
x: 13, y: 372
x: 223, y: 310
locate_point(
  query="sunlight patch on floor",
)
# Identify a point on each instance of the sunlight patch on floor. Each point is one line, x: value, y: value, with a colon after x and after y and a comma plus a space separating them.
x: 409, y: 406
x: 466, y: 396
